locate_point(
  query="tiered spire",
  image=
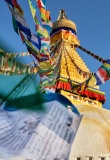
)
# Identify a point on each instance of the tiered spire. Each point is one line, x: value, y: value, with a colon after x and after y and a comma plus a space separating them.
x: 72, y: 69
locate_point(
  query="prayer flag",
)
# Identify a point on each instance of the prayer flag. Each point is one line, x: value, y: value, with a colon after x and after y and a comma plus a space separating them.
x: 9, y: 66
x: 36, y: 20
x: 44, y: 51
x: 10, y: 2
x: 103, y: 73
x: 41, y: 31
x: 48, y: 26
x: 32, y: 52
x: 45, y: 14
x: 99, y: 77
x: 15, y: 24
x: 45, y: 40
x: 41, y: 4
x: 17, y: 6
x: 32, y: 8
x: 21, y: 23
x: 45, y: 46
x: 27, y: 42
x: 32, y: 119
x: 35, y: 40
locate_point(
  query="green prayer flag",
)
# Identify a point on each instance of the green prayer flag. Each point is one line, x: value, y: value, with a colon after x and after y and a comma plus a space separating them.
x: 32, y: 102
x: 28, y: 102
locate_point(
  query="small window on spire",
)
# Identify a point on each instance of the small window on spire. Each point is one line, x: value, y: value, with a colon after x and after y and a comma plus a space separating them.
x: 79, y: 158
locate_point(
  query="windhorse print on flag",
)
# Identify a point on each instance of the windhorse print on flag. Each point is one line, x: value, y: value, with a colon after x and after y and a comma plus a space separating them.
x: 46, y: 134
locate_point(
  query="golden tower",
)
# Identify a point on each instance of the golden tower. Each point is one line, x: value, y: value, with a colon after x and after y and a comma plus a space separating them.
x: 92, y: 140
x: 72, y: 69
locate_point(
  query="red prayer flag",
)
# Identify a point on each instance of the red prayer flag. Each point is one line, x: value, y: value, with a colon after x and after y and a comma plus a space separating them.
x: 40, y: 4
x: 16, y: 5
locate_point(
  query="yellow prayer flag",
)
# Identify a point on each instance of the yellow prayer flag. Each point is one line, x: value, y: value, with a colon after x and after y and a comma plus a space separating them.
x: 33, y: 48
x: 92, y: 81
x: 33, y: 10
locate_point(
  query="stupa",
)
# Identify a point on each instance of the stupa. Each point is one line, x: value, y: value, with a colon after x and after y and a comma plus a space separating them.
x: 92, y: 141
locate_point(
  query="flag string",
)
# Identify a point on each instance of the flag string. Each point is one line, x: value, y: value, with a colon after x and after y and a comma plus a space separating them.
x: 90, y: 53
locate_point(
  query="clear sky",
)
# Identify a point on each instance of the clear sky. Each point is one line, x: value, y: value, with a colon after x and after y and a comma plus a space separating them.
x: 93, y: 29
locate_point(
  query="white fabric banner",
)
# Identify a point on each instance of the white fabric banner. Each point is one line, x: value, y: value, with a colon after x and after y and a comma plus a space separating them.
x: 43, y: 135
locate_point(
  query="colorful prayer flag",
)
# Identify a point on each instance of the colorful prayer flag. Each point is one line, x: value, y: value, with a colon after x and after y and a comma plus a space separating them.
x: 41, y: 4
x: 45, y: 46
x: 31, y: 51
x: 21, y: 23
x: 35, y: 40
x: 17, y: 6
x: 15, y: 25
x: 27, y: 42
x: 9, y: 66
x: 48, y: 26
x: 41, y: 31
x: 10, y: 2
x: 103, y: 73
x: 45, y: 14
x: 32, y: 8
x: 45, y: 40
x: 36, y: 21
x: 98, y: 78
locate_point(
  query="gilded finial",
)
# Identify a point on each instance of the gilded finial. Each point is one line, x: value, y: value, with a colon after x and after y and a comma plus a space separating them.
x: 62, y: 15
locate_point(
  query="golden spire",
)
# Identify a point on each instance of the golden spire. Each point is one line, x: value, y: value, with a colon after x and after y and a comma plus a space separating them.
x: 62, y: 15
x: 72, y: 69
x: 62, y: 21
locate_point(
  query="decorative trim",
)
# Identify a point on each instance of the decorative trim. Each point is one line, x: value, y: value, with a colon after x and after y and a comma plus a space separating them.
x: 86, y: 93
x: 55, y: 31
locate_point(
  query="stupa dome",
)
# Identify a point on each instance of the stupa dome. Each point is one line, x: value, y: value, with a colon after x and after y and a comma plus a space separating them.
x: 62, y: 21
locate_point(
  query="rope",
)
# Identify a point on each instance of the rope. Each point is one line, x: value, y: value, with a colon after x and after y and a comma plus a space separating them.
x: 16, y: 91
x: 33, y: 78
x: 90, y: 53
x: 29, y: 83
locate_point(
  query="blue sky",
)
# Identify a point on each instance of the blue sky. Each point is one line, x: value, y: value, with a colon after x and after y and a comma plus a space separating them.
x: 93, y: 26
